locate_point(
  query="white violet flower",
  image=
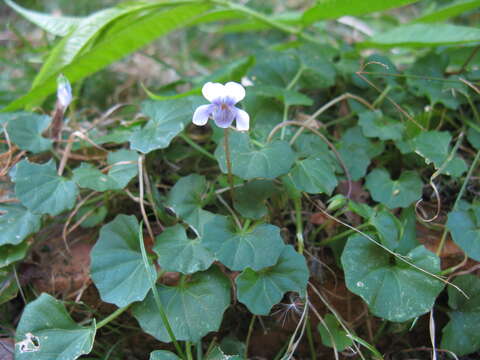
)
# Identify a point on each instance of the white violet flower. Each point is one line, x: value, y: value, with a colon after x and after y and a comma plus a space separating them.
x: 64, y: 91
x: 222, y: 108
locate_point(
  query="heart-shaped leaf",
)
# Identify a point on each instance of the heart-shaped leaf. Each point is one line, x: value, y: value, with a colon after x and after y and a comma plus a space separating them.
x: 375, y: 124
x: 392, y: 289
x: 25, y: 129
x: 250, y: 198
x: 270, y: 161
x: 434, y: 146
x: 354, y: 142
x: 167, y: 119
x: 176, y: 252
x: 314, y: 175
x: 122, y: 168
x: 464, y: 225
x: 117, y: 267
x: 194, y: 307
x: 335, y: 331
x: 394, y: 193
x: 41, y: 190
x: 256, y: 249
x: 16, y: 223
x: 462, y: 334
x: 275, y: 68
x: 259, y: 291
x: 46, y: 331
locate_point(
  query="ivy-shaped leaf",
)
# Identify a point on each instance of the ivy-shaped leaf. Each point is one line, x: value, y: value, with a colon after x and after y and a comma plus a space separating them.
x: 41, y: 190
x: 176, y: 252
x: 25, y: 129
x: 462, y: 334
x: 434, y: 146
x: 394, y: 193
x: 256, y: 249
x: 464, y: 225
x: 117, y: 267
x: 314, y: 175
x: 270, y: 161
x: 259, y: 291
x: 122, y: 168
x: 392, y: 289
x: 16, y: 223
x: 167, y: 119
x: 46, y: 331
x: 194, y: 307
x: 375, y: 124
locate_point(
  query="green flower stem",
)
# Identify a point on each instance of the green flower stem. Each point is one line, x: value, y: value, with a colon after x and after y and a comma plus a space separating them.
x: 249, y: 335
x: 332, y: 239
x: 457, y: 200
x: 286, y: 107
x: 198, y: 347
x: 188, y: 350
x: 299, y: 224
x: 112, y: 317
x: 311, y: 345
x: 153, y: 285
x: 229, y: 163
x: 196, y: 146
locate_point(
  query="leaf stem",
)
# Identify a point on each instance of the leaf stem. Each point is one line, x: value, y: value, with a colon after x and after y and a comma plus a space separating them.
x: 197, y: 147
x: 298, y: 223
x: 112, y: 316
x: 332, y: 239
x: 311, y: 345
x: 198, y: 347
x: 188, y: 349
x: 152, y: 277
x: 229, y: 164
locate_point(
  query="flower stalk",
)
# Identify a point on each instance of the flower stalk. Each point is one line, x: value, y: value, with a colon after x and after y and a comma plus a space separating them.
x: 229, y: 164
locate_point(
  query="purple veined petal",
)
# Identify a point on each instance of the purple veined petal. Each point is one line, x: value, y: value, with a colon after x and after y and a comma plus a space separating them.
x: 234, y: 91
x: 223, y: 115
x: 242, y: 120
x: 201, y: 114
x: 213, y: 92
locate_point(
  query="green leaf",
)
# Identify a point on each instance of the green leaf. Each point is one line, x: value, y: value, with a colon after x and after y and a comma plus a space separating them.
x: 16, y: 223
x: 250, y: 198
x: 394, y: 193
x: 464, y: 225
x: 259, y: 291
x: 176, y: 252
x: 375, y: 124
x: 237, y: 250
x: 56, y: 25
x: 388, y: 228
x: 167, y: 119
x: 8, y: 285
x: 434, y: 147
x: 461, y: 334
x: 46, y: 331
x: 314, y: 175
x: 318, y: 70
x: 218, y: 354
x: 194, y: 307
x: 25, y: 129
x: 473, y: 137
x: 437, y: 91
x: 448, y: 11
x: 354, y: 142
x: 335, y: 331
x: 275, y: 68
x: 97, y: 215
x: 392, y: 289
x: 408, y: 239
x: 163, y: 355
x: 422, y: 35
x: 332, y: 9
x: 270, y: 161
x: 41, y: 190
x: 123, y: 166
x: 117, y: 267
x: 115, y: 46
x: 287, y: 96
x: 13, y: 253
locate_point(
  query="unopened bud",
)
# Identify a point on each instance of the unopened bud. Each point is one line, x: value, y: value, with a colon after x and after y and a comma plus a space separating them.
x: 64, y: 91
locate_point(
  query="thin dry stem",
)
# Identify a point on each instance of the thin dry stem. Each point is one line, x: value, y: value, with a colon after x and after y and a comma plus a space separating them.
x: 142, y: 206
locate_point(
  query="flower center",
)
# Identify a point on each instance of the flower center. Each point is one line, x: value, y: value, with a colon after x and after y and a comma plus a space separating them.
x: 224, y: 106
